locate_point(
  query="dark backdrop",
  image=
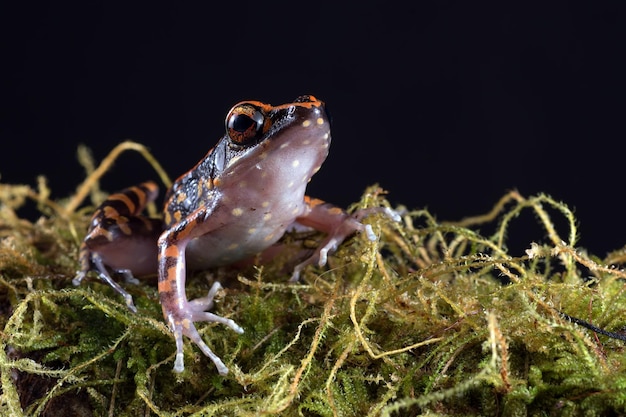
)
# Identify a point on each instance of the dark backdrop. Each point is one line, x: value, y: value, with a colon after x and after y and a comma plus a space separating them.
x: 445, y: 104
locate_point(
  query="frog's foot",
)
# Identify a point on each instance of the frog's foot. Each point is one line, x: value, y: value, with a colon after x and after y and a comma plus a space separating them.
x: 96, y: 261
x: 348, y: 226
x: 194, y: 311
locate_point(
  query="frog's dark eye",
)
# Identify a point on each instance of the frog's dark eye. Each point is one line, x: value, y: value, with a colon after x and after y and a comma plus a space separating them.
x: 244, y: 124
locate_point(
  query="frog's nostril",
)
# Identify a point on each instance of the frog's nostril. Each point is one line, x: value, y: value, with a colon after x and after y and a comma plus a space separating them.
x: 317, y: 103
x: 305, y: 99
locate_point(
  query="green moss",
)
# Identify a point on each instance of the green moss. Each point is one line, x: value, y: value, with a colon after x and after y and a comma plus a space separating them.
x: 433, y: 319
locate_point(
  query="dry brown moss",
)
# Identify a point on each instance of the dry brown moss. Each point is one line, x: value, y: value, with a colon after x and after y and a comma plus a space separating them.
x: 433, y: 319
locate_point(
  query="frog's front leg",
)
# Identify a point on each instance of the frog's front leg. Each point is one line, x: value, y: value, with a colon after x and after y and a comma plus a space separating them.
x: 338, y: 225
x: 180, y: 313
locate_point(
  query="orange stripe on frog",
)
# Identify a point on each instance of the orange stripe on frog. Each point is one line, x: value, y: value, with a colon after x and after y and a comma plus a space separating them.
x: 126, y: 200
x: 312, y: 202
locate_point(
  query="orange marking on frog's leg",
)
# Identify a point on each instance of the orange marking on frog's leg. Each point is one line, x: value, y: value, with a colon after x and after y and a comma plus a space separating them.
x: 140, y: 195
x: 130, y: 201
x: 167, y: 218
x: 312, y: 202
x: 150, y: 191
x: 177, y: 310
x: 168, y: 262
x: 125, y: 200
x: 108, y: 211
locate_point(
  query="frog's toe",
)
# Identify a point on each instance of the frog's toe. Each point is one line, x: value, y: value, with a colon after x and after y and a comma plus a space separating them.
x: 392, y: 214
x: 319, y: 257
x: 80, y: 275
x: 205, y: 303
x: 386, y: 211
x: 118, y: 289
x: 197, y: 310
x: 129, y: 278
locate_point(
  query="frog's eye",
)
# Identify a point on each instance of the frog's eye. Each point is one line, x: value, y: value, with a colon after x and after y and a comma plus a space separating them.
x: 245, y: 124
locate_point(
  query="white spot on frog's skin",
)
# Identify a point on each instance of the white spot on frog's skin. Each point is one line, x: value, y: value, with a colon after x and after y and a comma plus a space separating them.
x: 237, y: 211
x: 284, y: 145
x: 267, y: 216
x: 308, y: 142
x: 320, y: 121
x: 290, y: 184
x: 233, y: 246
x: 295, y: 163
x: 269, y: 237
x: 326, y: 135
x: 265, y: 204
x: 306, y: 123
x: 251, y: 231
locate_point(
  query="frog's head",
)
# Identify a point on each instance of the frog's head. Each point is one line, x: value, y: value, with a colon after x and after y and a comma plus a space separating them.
x: 287, y: 140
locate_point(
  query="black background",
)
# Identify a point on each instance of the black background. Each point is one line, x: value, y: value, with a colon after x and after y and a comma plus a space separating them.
x: 446, y: 104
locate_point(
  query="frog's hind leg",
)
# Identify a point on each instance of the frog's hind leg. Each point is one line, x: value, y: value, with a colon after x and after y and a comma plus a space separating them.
x: 338, y: 225
x: 119, y: 239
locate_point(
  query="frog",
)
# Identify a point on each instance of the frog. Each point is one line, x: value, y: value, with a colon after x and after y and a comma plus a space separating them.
x: 236, y: 203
